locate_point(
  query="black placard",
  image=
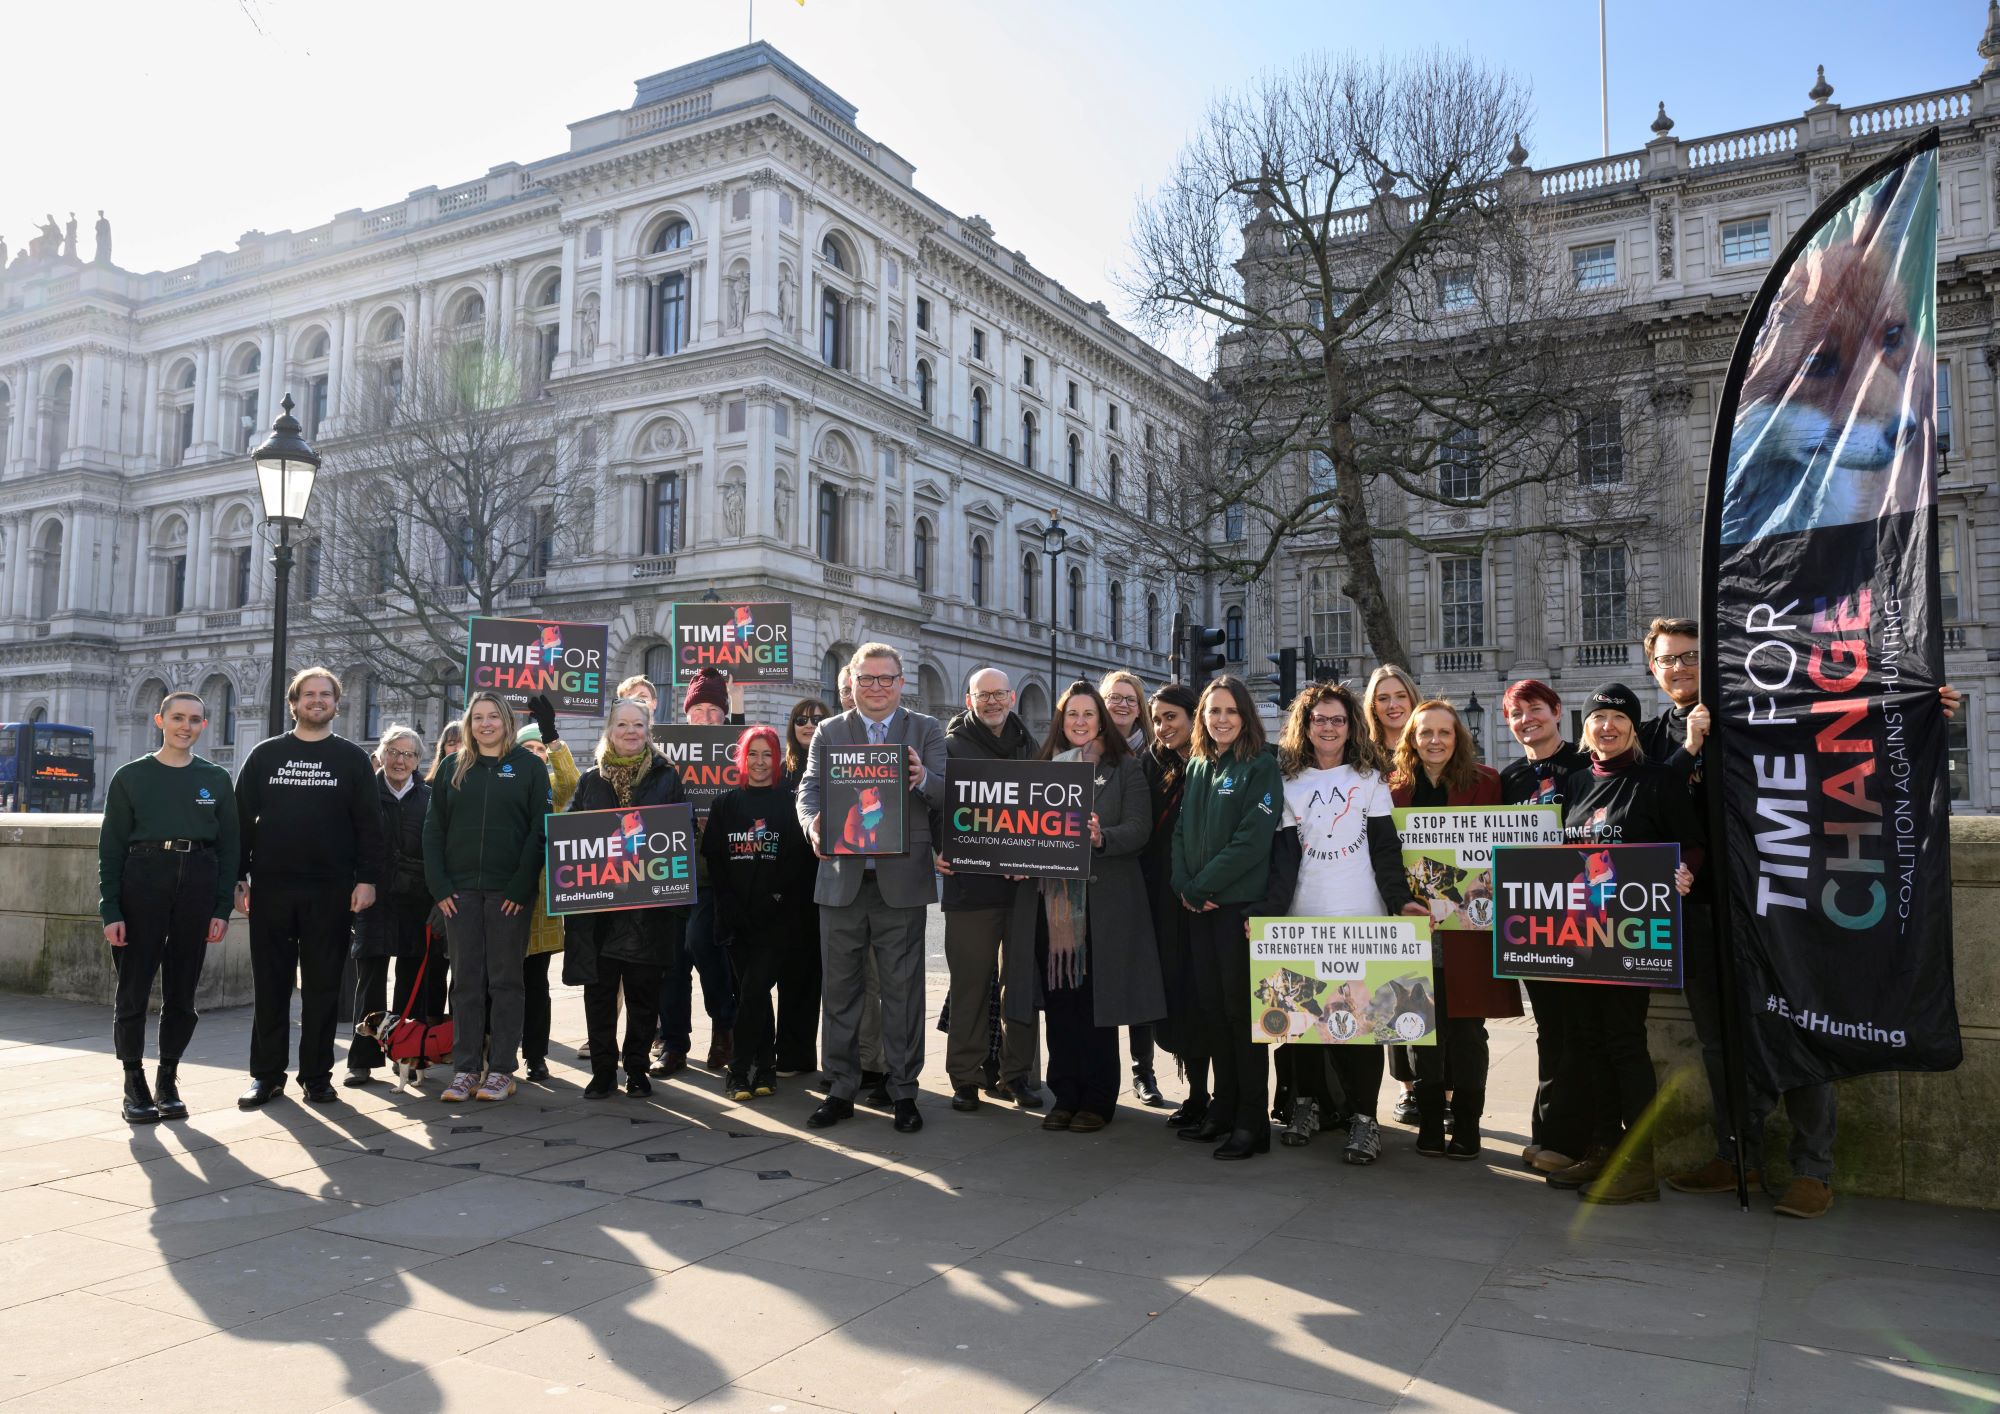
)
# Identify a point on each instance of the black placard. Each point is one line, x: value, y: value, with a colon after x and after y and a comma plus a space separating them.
x: 520, y: 658
x: 866, y: 799
x: 600, y: 861
x: 745, y: 642
x: 1018, y: 817
x: 1587, y: 913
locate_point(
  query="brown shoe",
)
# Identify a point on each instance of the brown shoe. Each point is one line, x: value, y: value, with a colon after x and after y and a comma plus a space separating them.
x: 669, y: 1063
x: 1806, y: 1198
x: 1583, y: 1171
x: 1084, y: 1122
x: 1716, y: 1176
x: 1548, y: 1161
x: 721, y: 1051
x: 1058, y: 1119
x: 1623, y: 1183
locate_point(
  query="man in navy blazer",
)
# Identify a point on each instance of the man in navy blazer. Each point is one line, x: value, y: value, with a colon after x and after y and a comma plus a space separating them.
x: 875, y: 904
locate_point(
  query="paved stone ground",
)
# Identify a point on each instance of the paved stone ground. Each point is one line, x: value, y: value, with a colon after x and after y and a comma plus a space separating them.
x: 390, y: 1253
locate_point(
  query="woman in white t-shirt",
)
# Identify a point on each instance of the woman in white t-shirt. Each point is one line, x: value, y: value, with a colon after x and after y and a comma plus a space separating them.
x: 1336, y: 855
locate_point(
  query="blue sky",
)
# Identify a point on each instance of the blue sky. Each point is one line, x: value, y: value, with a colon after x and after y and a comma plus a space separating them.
x: 193, y: 121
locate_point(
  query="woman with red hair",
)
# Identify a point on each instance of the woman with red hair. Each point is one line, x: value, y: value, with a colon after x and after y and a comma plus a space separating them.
x: 761, y: 869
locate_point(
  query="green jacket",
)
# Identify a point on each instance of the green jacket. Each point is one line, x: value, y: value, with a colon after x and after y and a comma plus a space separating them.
x: 486, y: 833
x: 151, y: 801
x: 1222, y: 842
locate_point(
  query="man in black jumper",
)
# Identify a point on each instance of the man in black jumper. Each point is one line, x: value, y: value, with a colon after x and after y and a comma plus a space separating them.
x: 312, y: 857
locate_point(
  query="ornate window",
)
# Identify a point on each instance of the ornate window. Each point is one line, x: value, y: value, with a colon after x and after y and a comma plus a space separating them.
x: 1028, y: 440
x: 1114, y: 607
x: 1232, y: 634
x: 675, y: 235
x: 1031, y: 583
x: 663, y: 514
x: 1458, y: 464
x: 1462, y: 601
x: 979, y: 557
x: 1601, y: 577
x: 978, y: 417
x: 829, y: 523
x: 1075, y: 615
x: 920, y: 555
x: 924, y: 385
x: 1075, y: 459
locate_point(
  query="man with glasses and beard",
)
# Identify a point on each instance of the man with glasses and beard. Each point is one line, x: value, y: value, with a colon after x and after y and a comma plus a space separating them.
x: 312, y: 857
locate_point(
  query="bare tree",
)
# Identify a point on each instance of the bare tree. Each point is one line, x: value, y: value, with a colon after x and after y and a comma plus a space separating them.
x: 1404, y: 350
x: 469, y: 482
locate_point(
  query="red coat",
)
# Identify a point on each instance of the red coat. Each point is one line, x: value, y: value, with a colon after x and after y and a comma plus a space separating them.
x: 1470, y: 988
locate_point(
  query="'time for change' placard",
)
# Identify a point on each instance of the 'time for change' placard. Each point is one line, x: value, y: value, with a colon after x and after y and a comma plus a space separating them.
x: 1018, y: 817
x: 597, y: 861
x: 1342, y: 981
x: 523, y: 658
x: 1588, y: 913
x: 745, y: 642
x: 867, y: 794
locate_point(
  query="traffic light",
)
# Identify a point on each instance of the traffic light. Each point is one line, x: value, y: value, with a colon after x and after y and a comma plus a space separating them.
x: 1203, y: 653
x: 1286, y: 679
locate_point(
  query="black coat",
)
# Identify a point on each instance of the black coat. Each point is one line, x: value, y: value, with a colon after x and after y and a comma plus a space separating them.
x: 645, y: 937
x: 967, y: 738
x: 1166, y: 776
x: 761, y: 868
x: 394, y: 924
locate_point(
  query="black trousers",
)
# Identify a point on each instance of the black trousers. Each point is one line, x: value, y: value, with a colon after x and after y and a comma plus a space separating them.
x: 1563, y: 1119
x: 1139, y: 1039
x: 798, y: 993
x: 1607, y: 1058
x: 1400, y: 1064
x: 1358, y: 1070
x: 371, y: 982
x: 167, y: 900
x: 1221, y: 957
x: 756, y: 960
x: 1457, y: 1062
x: 1083, y: 1056
x: 600, y: 1015
x: 535, y: 1019
x: 297, y: 935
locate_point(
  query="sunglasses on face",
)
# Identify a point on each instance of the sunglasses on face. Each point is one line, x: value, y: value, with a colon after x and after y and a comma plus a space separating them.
x: 805, y: 719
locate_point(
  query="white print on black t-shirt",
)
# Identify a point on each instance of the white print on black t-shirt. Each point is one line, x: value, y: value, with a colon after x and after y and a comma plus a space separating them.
x: 1592, y: 830
x: 304, y: 773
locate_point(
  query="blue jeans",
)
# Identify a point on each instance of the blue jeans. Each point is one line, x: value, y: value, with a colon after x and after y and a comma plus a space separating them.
x: 701, y: 950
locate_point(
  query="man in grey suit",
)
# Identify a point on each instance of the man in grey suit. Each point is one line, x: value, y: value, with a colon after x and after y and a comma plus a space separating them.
x: 874, y: 905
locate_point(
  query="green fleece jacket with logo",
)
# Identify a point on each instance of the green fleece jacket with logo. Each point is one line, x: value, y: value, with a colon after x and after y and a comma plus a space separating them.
x: 1222, y: 841
x: 485, y: 833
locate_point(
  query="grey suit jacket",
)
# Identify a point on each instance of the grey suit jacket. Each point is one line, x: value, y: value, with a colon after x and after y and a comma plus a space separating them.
x: 907, y: 880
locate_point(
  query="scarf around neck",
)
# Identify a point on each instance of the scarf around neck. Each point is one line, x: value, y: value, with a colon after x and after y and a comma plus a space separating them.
x: 624, y: 772
x: 1064, y: 907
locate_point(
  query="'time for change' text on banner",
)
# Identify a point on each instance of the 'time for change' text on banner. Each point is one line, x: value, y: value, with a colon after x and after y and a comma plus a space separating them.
x: 1448, y: 854
x: 705, y: 757
x: 867, y: 794
x: 596, y: 861
x: 1018, y: 817
x: 1588, y: 913
x: 523, y: 658
x: 745, y: 642
x: 1342, y: 981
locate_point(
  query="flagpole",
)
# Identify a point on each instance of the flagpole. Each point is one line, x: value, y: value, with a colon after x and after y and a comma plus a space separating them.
x: 1603, y: 82
x: 750, y: 21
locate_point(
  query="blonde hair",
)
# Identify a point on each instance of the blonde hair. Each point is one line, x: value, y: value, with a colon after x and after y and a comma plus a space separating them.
x: 604, y: 734
x: 1131, y: 680
x: 637, y: 680
x: 1376, y: 732
x: 872, y: 650
x: 468, y: 747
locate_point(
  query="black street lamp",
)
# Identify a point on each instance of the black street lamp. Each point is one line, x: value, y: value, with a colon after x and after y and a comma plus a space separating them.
x: 1053, y: 540
x: 286, y: 466
x: 1475, y: 723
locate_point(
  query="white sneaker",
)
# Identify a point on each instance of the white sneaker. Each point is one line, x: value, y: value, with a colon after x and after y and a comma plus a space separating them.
x: 461, y: 1088
x: 497, y: 1085
x: 1303, y: 1124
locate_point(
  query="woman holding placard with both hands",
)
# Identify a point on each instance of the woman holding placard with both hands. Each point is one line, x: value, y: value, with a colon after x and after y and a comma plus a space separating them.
x: 1435, y: 766
x: 1336, y: 855
x: 1094, y: 966
x: 1623, y: 799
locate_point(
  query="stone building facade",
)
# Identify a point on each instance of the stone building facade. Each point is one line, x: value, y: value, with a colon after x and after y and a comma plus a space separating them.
x: 807, y: 381
x: 1680, y: 234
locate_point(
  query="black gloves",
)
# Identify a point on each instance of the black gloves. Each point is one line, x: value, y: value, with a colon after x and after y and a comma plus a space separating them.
x: 544, y: 713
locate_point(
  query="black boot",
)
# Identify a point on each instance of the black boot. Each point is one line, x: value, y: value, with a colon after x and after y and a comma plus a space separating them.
x: 139, y: 1107
x: 1465, y: 1112
x: 172, y: 1106
x: 1430, y: 1120
x: 603, y: 1077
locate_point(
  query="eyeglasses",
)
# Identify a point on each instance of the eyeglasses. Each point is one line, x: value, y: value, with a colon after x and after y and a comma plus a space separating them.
x: 1121, y: 699
x: 1689, y: 659
x: 1000, y: 696
x: 805, y: 719
x: 1323, y: 721
x: 404, y: 755
x: 877, y: 679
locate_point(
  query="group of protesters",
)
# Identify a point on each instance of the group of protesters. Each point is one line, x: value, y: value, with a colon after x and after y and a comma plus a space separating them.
x: 811, y: 962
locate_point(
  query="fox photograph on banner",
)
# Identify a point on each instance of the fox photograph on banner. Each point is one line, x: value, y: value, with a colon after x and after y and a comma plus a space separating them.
x: 1588, y: 913
x: 863, y: 809
x: 1342, y: 981
x: 1018, y: 817
x: 1448, y: 854
x: 1823, y: 648
x: 523, y: 658
x: 744, y: 642
x: 705, y: 757
x: 600, y: 861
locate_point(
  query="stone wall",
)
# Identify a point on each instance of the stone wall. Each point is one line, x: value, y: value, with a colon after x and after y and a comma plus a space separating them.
x: 50, y: 938
x: 1934, y: 1138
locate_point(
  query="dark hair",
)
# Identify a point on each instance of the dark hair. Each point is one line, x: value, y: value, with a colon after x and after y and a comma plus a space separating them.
x: 1114, y: 744
x: 1295, y: 748
x: 1248, y: 742
x: 452, y: 727
x: 795, y: 755
x: 183, y: 695
x: 1177, y: 694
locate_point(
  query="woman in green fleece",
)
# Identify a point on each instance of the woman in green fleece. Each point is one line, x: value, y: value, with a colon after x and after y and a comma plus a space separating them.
x: 483, y: 860
x: 1222, y: 854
